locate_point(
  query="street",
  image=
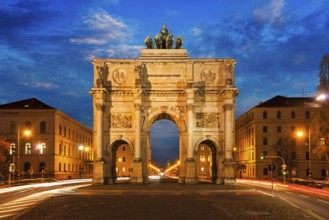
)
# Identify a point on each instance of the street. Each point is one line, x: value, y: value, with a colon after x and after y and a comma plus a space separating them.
x: 308, y: 198
x: 156, y: 200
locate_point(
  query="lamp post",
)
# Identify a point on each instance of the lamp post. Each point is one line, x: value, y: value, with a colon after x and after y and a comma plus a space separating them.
x: 81, y: 147
x: 26, y: 133
x: 300, y: 134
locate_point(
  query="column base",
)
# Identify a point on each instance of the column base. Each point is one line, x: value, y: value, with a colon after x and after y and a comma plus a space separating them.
x: 190, y: 167
x: 219, y: 181
x: 137, y: 172
x: 229, y: 174
x: 98, y: 173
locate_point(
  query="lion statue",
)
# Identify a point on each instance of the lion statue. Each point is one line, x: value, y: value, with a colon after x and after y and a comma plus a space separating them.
x: 158, y: 42
x: 179, y: 42
x: 148, y: 42
x: 169, y: 41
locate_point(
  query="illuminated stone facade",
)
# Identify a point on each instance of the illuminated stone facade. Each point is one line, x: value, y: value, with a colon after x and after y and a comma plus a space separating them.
x: 57, y: 147
x: 270, y: 129
x: 129, y: 95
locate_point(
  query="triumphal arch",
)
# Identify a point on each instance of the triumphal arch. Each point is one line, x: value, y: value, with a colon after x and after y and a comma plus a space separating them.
x: 198, y: 95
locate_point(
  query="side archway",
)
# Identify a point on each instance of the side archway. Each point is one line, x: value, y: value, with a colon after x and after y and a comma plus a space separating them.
x: 121, y: 154
x: 207, y: 152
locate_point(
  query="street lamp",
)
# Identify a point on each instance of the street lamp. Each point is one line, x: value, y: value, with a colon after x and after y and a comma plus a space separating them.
x: 301, y: 134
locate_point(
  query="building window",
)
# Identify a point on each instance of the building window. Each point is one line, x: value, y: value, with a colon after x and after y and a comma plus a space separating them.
x: 278, y: 129
x: 42, y: 127
x: 307, y: 155
x: 28, y: 124
x: 292, y: 128
x: 60, y: 130
x: 60, y: 149
x: 12, y: 149
x: 264, y: 140
x: 12, y: 128
x: 293, y: 142
x: 323, y: 173
x: 123, y: 169
x: 42, y: 166
x: 42, y: 148
x: 202, y: 169
x: 278, y: 153
x: 202, y: 158
x: 27, y: 148
x: 64, y: 131
x: 265, y: 171
x: 293, y: 115
x: 279, y: 141
x: 307, y: 172
x: 278, y: 115
x: 307, y: 115
x: 264, y: 128
x: 264, y: 114
x: 123, y: 159
x: 123, y: 148
x: 293, y: 155
x: 27, y: 167
x: 202, y: 148
x: 59, y: 167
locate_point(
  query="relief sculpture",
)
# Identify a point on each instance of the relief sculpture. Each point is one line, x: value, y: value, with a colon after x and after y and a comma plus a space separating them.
x: 121, y: 120
x: 207, y: 120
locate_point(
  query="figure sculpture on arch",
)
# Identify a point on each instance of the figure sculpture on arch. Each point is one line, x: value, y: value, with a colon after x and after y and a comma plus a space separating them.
x: 164, y: 40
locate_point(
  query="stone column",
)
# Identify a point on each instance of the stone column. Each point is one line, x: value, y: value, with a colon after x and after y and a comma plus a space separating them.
x: 98, y: 177
x: 229, y: 177
x: 137, y: 174
x: 190, y: 177
x: 138, y: 156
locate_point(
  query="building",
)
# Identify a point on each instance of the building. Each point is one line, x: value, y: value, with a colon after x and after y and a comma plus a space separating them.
x: 197, y: 95
x: 270, y: 130
x: 45, y: 142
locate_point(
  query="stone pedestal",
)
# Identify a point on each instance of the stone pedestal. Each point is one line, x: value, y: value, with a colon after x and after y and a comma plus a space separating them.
x: 137, y: 174
x: 190, y: 177
x: 229, y: 175
x: 98, y: 175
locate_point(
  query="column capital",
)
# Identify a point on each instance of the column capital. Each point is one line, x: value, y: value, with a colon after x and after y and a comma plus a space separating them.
x: 190, y: 107
x: 228, y: 107
x: 100, y: 107
x: 137, y: 106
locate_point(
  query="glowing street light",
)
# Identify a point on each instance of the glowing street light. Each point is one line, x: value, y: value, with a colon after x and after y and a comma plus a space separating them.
x: 301, y: 134
x: 26, y: 133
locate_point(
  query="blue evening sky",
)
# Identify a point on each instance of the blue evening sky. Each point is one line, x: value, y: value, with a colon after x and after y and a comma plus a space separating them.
x: 46, y: 46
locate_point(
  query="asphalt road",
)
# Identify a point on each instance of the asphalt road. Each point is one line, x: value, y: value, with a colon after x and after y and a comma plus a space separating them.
x: 164, y: 201
x: 306, y: 198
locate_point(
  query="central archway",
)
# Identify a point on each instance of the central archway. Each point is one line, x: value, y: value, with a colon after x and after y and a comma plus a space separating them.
x: 158, y: 116
x: 164, y: 149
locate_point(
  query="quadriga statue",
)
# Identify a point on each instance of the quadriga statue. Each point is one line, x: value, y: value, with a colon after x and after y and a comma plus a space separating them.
x: 164, y: 40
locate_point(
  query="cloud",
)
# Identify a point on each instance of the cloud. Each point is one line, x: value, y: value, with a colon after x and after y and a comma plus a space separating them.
x: 271, y: 12
x: 102, y: 28
x: 44, y: 85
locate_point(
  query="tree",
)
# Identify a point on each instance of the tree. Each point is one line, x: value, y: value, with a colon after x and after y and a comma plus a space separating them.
x: 320, y: 122
x: 324, y: 75
x: 4, y: 157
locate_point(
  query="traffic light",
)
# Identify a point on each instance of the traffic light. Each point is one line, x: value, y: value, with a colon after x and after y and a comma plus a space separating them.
x: 284, y: 169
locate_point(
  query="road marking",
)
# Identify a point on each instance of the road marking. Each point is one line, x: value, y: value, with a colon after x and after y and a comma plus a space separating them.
x: 288, y: 192
x: 303, y: 196
x: 323, y: 201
